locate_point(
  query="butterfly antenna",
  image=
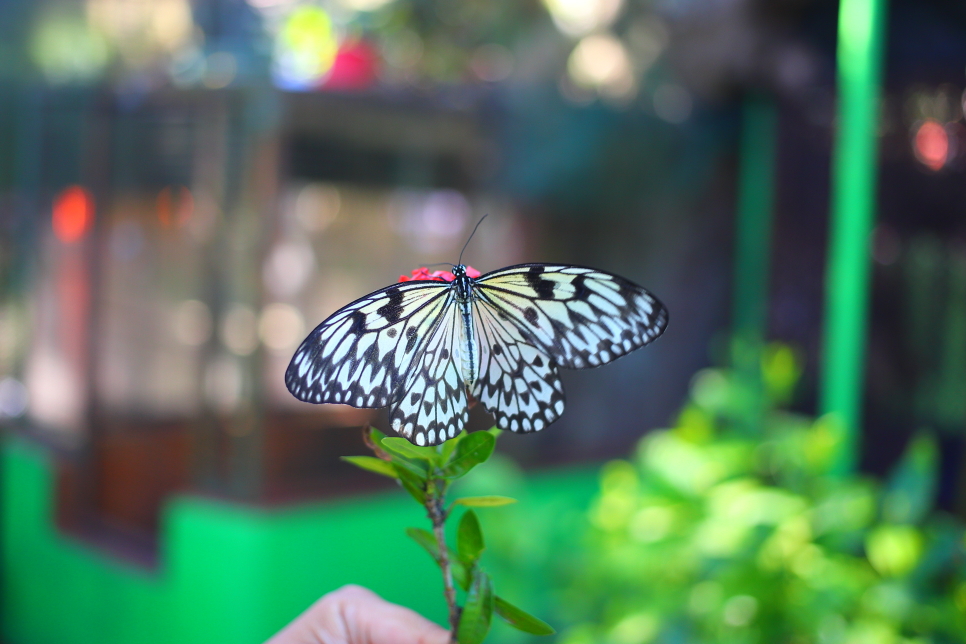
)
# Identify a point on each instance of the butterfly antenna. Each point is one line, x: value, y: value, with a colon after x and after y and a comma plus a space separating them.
x: 460, y: 260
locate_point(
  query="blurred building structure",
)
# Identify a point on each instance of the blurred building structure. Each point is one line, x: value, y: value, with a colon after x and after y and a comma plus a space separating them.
x: 186, y: 189
x: 185, y: 204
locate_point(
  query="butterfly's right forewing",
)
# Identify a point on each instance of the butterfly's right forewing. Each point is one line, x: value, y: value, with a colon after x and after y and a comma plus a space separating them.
x: 362, y: 354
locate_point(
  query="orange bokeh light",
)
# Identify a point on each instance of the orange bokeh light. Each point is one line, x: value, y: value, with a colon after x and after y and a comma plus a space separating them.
x: 175, y: 206
x: 931, y: 144
x: 73, y: 214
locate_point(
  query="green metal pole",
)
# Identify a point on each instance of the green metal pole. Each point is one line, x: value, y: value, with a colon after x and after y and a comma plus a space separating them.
x: 860, y: 43
x: 756, y: 190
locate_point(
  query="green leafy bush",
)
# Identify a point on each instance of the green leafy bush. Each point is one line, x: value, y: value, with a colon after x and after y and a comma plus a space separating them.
x: 731, y: 527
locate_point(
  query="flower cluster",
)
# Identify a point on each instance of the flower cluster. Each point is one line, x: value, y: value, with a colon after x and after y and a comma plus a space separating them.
x: 423, y: 273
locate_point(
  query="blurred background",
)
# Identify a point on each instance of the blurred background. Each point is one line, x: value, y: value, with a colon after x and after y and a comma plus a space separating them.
x: 187, y: 187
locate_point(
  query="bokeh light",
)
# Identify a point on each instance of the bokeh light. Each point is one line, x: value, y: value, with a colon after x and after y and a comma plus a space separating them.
x: 192, y: 323
x: 175, y: 205
x: 931, y: 144
x: 238, y: 330
x: 73, y: 214
x: 316, y: 206
x: 364, y: 5
x: 13, y: 398
x: 601, y: 62
x: 281, y: 327
x: 55, y: 392
x: 288, y: 267
x: 305, y: 48
x: 356, y: 66
x: 579, y: 17
x: 402, y: 49
x: 492, y: 63
x: 141, y: 30
x: 430, y: 221
x: 67, y: 49
x: 220, y: 70
x: 647, y: 38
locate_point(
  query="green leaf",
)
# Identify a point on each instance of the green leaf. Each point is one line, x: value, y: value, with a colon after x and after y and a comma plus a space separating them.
x: 372, y: 464
x: 470, y: 452
x: 496, y: 431
x: 520, y: 619
x: 414, y: 492
x: 484, y: 501
x: 411, y: 483
x: 426, y: 539
x: 478, y: 611
x: 416, y: 468
x: 469, y: 538
x: 402, y: 447
x: 446, y: 449
x: 911, y: 491
x: 460, y: 575
x: 376, y: 436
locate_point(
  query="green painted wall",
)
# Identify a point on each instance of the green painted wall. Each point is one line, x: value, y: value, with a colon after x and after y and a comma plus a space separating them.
x: 228, y: 574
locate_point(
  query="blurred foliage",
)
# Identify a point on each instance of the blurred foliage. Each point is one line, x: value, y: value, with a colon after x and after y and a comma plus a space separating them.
x: 729, y: 527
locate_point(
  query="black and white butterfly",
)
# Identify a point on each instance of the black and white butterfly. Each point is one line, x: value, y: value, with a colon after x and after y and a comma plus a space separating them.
x: 422, y: 347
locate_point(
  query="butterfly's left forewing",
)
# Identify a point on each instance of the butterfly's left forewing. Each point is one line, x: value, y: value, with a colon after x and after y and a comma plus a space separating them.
x: 363, y: 354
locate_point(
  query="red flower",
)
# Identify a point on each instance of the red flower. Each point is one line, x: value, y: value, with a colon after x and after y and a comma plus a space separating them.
x: 423, y: 273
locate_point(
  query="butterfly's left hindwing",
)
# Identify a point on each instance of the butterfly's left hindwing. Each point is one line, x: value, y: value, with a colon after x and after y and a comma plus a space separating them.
x: 364, y: 353
x: 432, y: 406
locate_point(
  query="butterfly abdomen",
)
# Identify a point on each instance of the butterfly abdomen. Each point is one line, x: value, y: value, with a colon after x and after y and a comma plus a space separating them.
x: 469, y: 360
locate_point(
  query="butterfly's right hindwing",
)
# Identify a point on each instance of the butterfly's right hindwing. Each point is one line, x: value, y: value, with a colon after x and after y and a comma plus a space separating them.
x: 518, y: 382
x: 362, y: 354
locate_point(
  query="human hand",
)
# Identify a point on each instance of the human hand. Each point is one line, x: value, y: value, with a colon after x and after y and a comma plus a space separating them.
x: 356, y: 615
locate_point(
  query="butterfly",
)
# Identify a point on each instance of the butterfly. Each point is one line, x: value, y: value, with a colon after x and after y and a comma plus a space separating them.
x: 425, y: 346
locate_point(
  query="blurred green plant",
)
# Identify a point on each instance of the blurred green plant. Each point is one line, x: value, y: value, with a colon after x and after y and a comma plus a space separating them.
x: 729, y: 528
x: 426, y: 474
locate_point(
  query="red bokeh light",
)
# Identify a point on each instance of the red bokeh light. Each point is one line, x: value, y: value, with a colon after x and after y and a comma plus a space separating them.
x: 356, y: 66
x: 931, y: 144
x: 175, y: 206
x: 73, y: 214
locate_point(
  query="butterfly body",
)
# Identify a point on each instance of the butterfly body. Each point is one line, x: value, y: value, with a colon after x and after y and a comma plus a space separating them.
x: 423, y: 347
x: 463, y: 293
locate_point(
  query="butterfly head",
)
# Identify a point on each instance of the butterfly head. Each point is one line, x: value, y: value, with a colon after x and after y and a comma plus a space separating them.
x: 459, y: 271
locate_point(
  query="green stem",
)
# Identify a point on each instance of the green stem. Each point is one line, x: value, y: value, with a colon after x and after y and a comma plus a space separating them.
x: 756, y: 195
x: 861, y: 32
x: 435, y: 499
